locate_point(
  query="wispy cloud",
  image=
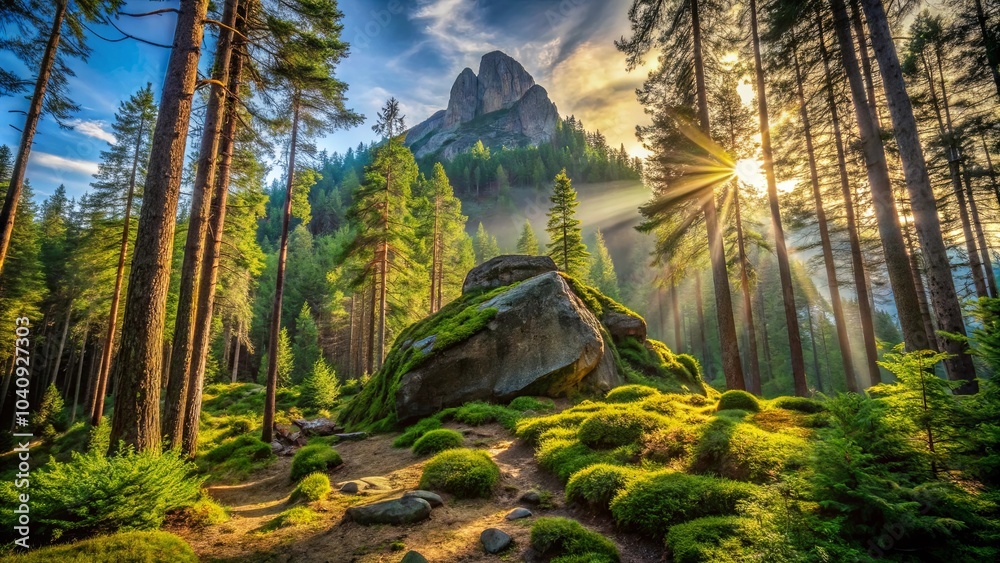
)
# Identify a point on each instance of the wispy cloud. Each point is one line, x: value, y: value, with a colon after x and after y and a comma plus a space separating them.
x: 456, y: 27
x: 95, y: 129
x: 59, y: 163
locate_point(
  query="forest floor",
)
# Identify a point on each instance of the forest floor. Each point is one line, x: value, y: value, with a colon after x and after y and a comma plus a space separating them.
x: 451, y: 534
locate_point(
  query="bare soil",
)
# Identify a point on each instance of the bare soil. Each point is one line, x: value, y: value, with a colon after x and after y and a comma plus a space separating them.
x: 451, y: 534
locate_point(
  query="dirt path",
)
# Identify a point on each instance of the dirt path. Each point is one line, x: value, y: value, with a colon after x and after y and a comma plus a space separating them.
x: 451, y: 534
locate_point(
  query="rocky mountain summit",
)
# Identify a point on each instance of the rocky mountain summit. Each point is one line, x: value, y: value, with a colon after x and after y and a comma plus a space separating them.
x: 501, y: 105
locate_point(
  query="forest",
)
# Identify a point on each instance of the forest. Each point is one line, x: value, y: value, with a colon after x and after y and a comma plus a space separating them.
x: 267, y: 322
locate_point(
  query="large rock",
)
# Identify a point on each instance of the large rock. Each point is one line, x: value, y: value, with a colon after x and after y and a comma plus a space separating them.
x: 406, y: 510
x: 506, y: 270
x: 622, y: 326
x: 542, y: 341
x: 464, y: 99
x: 502, y: 82
x: 604, y: 377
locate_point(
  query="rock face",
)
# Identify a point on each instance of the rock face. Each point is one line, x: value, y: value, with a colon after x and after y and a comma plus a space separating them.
x: 406, y: 510
x: 517, y: 353
x: 505, y: 270
x: 622, y: 326
x: 500, y: 106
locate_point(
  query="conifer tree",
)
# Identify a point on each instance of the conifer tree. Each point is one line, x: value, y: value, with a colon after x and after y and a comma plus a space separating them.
x: 485, y: 245
x: 602, y: 269
x: 527, y: 243
x: 320, y: 389
x: 306, y: 343
x: 566, y: 238
x: 284, y: 362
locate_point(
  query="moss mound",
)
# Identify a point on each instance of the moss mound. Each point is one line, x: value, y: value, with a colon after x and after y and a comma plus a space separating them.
x: 314, y: 458
x: 740, y: 450
x: 125, y: 546
x: 438, y: 440
x: 598, y: 484
x: 618, y: 427
x: 570, y: 540
x: 311, y: 488
x: 799, y: 404
x: 461, y: 472
x: 713, y: 538
x: 629, y: 393
x: 738, y: 400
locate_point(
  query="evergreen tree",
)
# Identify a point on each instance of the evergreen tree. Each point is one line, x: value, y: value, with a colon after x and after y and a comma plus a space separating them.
x: 566, y: 239
x: 485, y: 245
x: 306, y: 346
x: 320, y: 390
x: 602, y: 269
x: 285, y: 362
x: 527, y: 243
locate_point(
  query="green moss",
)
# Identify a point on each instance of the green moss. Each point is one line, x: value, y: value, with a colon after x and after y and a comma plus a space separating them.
x: 413, y: 433
x: 741, y: 400
x: 798, y: 404
x: 461, y: 472
x: 710, y: 539
x: 655, y: 502
x: 598, y: 484
x: 478, y: 413
x: 530, y: 429
x: 653, y: 364
x: 311, y: 488
x: 618, y: 427
x: 564, y: 454
x: 740, y: 450
x: 293, y: 517
x: 597, y: 302
x: 565, y: 537
x: 438, y: 440
x: 310, y: 459
x: 205, y: 512
x: 524, y: 404
x: 629, y: 393
x: 124, y: 546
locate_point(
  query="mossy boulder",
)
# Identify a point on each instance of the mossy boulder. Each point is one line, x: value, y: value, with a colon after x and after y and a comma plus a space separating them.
x: 506, y: 270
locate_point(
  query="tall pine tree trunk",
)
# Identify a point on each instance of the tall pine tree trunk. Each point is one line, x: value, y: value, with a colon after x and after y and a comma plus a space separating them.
x: 182, y: 358
x: 138, y: 367
x: 989, y: 43
x: 984, y: 249
x: 891, y: 235
x: 947, y: 308
x: 62, y: 345
x: 824, y: 234
x: 732, y: 365
x: 866, y: 63
x: 700, y: 312
x: 279, y: 286
x: 79, y: 374
x: 753, y: 360
x: 675, y: 312
x: 784, y: 267
x: 9, y: 212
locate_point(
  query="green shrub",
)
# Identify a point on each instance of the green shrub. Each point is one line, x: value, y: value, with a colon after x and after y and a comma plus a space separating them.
x: 462, y: 472
x: 799, y: 404
x: 709, y: 539
x: 310, y: 459
x: 653, y: 503
x: 438, y: 441
x: 629, y: 393
x: 562, y: 536
x: 617, y: 427
x: 51, y: 417
x: 97, y: 494
x: 598, y: 484
x: 125, y: 546
x: 247, y: 446
x: 740, y: 400
x: 413, y: 433
x: 311, y: 488
x: 523, y: 404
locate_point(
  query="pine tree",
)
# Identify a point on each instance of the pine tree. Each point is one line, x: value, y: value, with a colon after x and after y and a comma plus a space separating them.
x: 527, y: 243
x: 485, y: 245
x: 602, y: 269
x: 566, y: 238
x: 320, y: 390
x: 284, y: 363
x: 306, y: 344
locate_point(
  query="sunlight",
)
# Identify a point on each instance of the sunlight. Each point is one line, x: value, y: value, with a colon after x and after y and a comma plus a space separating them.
x: 748, y: 171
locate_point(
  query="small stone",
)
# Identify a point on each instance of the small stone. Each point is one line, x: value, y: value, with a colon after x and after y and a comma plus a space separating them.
x: 277, y: 448
x: 413, y: 557
x: 531, y: 497
x: 494, y: 540
x: 433, y: 499
x: 352, y: 436
x: 396, y: 511
x: 349, y: 488
x: 518, y: 513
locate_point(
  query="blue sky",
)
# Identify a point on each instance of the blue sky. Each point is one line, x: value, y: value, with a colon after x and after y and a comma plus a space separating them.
x: 410, y: 49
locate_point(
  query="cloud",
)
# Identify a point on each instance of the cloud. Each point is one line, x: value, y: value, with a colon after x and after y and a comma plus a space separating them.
x: 456, y: 27
x: 95, y: 129
x: 63, y: 164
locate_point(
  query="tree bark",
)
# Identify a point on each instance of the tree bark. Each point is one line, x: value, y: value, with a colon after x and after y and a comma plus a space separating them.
x: 137, y: 369
x: 824, y: 234
x: 984, y: 249
x: 676, y: 314
x: 922, y: 202
x: 279, y: 286
x: 62, y: 345
x: 9, y: 212
x: 732, y: 365
x: 991, y: 49
x: 784, y: 267
x: 753, y: 360
x: 700, y: 311
x: 79, y: 373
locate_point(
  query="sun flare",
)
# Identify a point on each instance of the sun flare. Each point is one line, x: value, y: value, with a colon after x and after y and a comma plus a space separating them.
x: 748, y: 171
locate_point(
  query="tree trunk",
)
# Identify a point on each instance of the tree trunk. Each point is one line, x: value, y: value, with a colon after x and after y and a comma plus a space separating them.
x: 922, y: 202
x: 137, y: 369
x: 753, y: 360
x: 883, y: 201
x: 984, y: 249
x: 766, y: 342
x: 824, y: 235
x: 815, y: 352
x: 236, y: 360
x: 62, y: 345
x: 700, y: 311
x: 435, y: 250
x: 183, y: 348
x: 9, y: 212
x: 918, y: 280
x: 79, y: 374
x: 279, y: 286
x: 991, y: 49
x: 866, y: 63
x: 676, y: 314
x: 212, y: 247
x: 732, y: 366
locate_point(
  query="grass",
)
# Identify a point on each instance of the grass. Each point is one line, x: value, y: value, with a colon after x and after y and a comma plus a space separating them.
x: 115, y: 548
x: 293, y: 517
x: 313, y: 458
x: 462, y: 472
x: 438, y: 440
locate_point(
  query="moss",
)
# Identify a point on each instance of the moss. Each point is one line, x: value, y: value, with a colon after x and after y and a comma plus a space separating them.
x: 311, y: 488
x: 524, y: 404
x: 205, y: 512
x: 461, y: 472
x: 598, y: 484
x: 799, y: 404
x: 124, y: 546
x: 655, y: 502
x: 713, y: 538
x: 413, y: 433
x: 653, y: 364
x: 564, y: 454
x: 691, y: 365
x: 478, y: 413
x: 597, y: 302
x: 293, y: 517
x: 664, y: 445
x: 438, y: 440
x: 739, y: 450
x: 310, y: 459
x: 736, y: 399
x: 618, y: 427
x: 629, y: 393
x: 530, y: 429
x: 242, y: 446
x: 565, y: 537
